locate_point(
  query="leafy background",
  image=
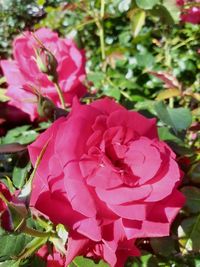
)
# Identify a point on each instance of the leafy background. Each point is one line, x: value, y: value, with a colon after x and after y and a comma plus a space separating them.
x: 139, y: 53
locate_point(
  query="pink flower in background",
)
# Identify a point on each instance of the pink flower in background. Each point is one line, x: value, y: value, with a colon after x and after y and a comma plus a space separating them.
x: 24, y: 77
x: 180, y: 2
x: 108, y: 178
x: 191, y: 13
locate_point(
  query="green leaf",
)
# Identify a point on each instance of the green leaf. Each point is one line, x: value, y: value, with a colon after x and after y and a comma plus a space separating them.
x: 163, y: 246
x: 197, y: 262
x: 147, y: 260
x: 3, y: 80
x: 189, y: 235
x: 32, y: 246
x: 3, y: 97
x: 194, y: 173
x: 146, y: 105
x: 22, y: 135
x: 192, y: 194
x: 165, y: 135
x: 173, y: 9
x: 178, y: 118
x: 147, y: 4
x: 168, y: 93
x: 83, y: 262
x: 11, y: 245
x: 96, y: 77
x: 21, y: 170
x: 113, y: 92
x: 145, y: 59
x: 137, y: 21
x: 41, y: 2
x: 163, y: 13
x: 12, y: 263
x: 26, y: 191
x: 18, y: 214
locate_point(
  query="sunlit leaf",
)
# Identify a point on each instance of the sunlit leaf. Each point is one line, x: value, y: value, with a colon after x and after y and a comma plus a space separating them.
x: 3, y: 97
x: 31, y: 247
x: 192, y: 194
x: 83, y: 262
x: 137, y: 21
x: 11, y: 263
x: 147, y: 4
x: 189, y: 235
x: 173, y: 9
x: 178, y: 118
x: 11, y: 245
x: 165, y: 94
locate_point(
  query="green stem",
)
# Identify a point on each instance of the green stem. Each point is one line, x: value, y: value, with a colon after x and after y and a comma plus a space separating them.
x: 102, y: 8
x: 2, y: 197
x: 99, y: 23
x: 60, y: 94
x: 183, y: 43
x: 36, y: 233
x: 171, y: 102
x: 101, y: 36
x: 81, y: 25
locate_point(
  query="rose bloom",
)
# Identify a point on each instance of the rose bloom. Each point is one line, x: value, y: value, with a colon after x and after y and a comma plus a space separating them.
x: 108, y: 178
x: 24, y: 77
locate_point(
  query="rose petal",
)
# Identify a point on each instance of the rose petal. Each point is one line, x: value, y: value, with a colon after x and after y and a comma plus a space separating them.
x: 138, y: 123
x: 144, y: 159
x: 123, y: 194
x: 78, y: 192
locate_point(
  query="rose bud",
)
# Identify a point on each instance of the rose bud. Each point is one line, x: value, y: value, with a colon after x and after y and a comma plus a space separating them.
x: 47, y: 63
x: 12, y: 213
x: 46, y: 107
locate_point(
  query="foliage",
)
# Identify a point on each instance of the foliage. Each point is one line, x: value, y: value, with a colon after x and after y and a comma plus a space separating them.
x: 17, y: 15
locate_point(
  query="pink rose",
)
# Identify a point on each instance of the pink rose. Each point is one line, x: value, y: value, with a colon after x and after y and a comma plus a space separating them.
x: 23, y: 75
x: 180, y: 2
x: 189, y: 14
x: 108, y: 178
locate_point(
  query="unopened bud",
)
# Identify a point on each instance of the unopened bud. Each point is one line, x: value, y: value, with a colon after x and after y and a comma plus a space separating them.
x: 46, y: 63
x: 46, y: 107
